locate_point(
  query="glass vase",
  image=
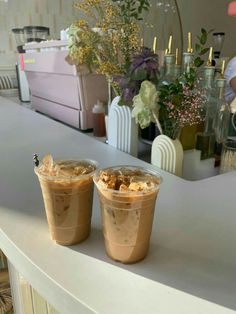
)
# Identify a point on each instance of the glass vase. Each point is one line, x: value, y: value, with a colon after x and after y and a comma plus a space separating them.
x: 171, y: 129
x: 149, y: 133
x: 228, y: 157
x: 188, y: 135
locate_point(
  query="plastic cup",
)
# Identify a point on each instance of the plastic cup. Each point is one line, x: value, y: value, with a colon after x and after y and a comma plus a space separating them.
x: 228, y: 156
x: 127, y: 218
x: 68, y: 203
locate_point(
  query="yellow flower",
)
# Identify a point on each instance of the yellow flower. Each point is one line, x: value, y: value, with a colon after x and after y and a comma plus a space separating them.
x: 107, y: 68
x: 108, y: 50
x: 81, y: 24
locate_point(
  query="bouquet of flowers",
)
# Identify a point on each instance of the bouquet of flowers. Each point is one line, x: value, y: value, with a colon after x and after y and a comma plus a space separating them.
x: 180, y: 105
x: 107, y: 41
x: 108, y: 35
x: 170, y: 105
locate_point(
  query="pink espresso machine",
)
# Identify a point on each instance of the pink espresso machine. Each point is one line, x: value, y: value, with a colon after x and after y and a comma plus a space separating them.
x: 22, y: 36
x: 60, y: 90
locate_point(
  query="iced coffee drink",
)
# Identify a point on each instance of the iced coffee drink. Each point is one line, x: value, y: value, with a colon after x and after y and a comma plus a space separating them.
x: 127, y: 199
x: 67, y: 188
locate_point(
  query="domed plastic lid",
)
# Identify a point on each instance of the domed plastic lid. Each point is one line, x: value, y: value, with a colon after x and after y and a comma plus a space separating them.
x: 30, y: 29
x: 17, y: 30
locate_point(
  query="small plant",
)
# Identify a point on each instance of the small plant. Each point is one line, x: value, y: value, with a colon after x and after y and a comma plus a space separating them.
x: 132, y: 9
x: 200, y: 47
x: 144, y: 66
x: 180, y: 106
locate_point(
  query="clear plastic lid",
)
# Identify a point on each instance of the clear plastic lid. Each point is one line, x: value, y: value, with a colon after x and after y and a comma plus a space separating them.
x: 36, y: 33
x: 98, y: 107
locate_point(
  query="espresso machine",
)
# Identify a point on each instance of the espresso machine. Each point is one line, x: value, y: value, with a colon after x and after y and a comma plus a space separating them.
x: 22, y: 36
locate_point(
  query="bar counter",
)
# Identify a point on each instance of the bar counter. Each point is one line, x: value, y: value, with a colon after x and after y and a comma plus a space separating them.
x: 191, y: 265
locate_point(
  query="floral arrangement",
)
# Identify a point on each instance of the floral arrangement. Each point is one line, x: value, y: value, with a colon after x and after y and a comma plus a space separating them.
x: 108, y: 35
x: 180, y: 105
x: 107, y: 41
x: 171, y: 105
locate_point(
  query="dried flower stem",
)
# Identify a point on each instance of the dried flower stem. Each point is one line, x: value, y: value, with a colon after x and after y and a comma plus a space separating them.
x: 157, y: 122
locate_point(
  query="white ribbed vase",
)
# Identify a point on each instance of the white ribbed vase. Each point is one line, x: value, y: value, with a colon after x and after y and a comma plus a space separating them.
x: 122, y: 129
x: 167, y: 154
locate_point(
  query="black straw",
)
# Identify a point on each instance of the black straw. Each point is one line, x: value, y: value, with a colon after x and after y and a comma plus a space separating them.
x: 36, y: 160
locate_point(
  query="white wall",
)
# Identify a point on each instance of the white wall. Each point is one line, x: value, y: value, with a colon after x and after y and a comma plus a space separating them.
x: 55, y: 14
x: 58, y: 14
x: 209, y: 14
x: 195, y: 14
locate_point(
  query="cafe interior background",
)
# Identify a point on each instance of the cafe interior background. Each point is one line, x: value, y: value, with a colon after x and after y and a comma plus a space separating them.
x: 58, y: 15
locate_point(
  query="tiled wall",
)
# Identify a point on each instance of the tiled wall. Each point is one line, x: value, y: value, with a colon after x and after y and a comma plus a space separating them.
x: 58, y: 14
x: 55, y: 14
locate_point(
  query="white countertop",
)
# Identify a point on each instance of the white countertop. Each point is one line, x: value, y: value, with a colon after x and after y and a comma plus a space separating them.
x: 191, y: 266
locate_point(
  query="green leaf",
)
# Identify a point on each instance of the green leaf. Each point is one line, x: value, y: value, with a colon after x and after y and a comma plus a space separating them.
x: 192, y: 72
x: 203, y: 38
x: 121, y: 102
x: 139, y: 75
x: 198, y: 62
x: 135, y: 15
x: 197, y: 48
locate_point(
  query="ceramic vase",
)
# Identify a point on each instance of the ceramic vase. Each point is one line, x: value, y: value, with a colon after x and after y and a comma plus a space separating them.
x: 122, y: 129
x: 167, y: 154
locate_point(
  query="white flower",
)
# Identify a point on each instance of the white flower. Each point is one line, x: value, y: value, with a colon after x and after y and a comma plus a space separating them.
x: 140, y: 112
x: 149, y: 94
x: 145, y: 104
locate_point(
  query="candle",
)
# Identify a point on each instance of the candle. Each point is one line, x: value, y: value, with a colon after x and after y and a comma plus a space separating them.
x: 170, y: 45
x: 176, y: 56
x: 223, y: 68
x: 190, y: 49
x: 210, y: 57
x: 155, y: 44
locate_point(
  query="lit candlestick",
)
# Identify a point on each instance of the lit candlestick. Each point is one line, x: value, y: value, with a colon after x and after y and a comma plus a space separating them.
x: 170, y: 45
x: 177, y: 56
x: 190, y: 49
x: 166, y: 51
x: 223, y: 68
x: 210, y: 56
x: 155, y: 45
